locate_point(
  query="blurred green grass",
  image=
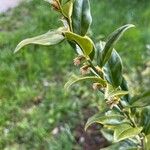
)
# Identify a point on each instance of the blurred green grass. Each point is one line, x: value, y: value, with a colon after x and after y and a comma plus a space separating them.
x: 32, y: 98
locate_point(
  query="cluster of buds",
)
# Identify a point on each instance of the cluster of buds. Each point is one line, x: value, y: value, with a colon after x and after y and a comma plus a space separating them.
x: 55, y: 4
x: 78, y: 60
x: 85, y: 69
x: 113, y: 102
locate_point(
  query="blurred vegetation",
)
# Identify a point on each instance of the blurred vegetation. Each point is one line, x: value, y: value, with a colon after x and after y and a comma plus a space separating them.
x: 33, y: 103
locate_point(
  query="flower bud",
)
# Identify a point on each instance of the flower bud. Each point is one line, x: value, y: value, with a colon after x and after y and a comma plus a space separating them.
x: 85, y: 69
x: 97, y: 86
x: 77, y: 61
x: 112, y: 102
x: 55, y: 4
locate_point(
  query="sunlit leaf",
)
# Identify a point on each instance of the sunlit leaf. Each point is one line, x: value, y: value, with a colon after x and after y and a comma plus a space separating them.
x: 50, y: 38
x: 85, y: 43
x: 74, y: 79
x: 124, y: 131
x: 105, y: 119
x: 67, y: 8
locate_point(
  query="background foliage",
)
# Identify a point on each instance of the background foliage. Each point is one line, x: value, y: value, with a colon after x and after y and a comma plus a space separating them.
x: 32, y: 99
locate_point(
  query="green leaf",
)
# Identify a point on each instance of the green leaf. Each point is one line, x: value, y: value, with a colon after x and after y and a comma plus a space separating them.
x: 125, y: 145
x: 105, y: 119
x: 141, y: 100
x: 114, y: 92
x: 50, y: 38
x: 99, y: 48
x: 81, y: 17
x: 124, y: 86
x: 74, y: 79
x: 113, y: 69
x: 145, y: 120
x: 124, y: 131
x: 67, y: 9
x: 85, y: 43
x: 112, y: 39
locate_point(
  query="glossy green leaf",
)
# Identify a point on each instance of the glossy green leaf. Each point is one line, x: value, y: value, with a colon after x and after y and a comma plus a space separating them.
x: 85, y: 43
x: 50, y: 38
x: 74, y: 79
x: 105, y: 119
x: 112, y: 39
x: 113, y: 69
x: 141, y: 100
x: 81, y: 17
x: 67, y: 8
x: 99, y: 48
x: 125, y: 131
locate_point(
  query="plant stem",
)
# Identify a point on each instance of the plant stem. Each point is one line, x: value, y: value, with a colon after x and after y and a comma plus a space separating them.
x: 126, y: 114
x: 95, y: 70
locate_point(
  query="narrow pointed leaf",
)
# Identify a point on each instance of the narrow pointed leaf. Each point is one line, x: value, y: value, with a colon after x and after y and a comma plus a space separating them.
x: 105, y: 119
x: 113, y: 67
x: 74, y: 79
x: 49, y: 38
x: 125, y: 131
x: 112, y: 39
x: 81, y: 17
x: 85, y: 43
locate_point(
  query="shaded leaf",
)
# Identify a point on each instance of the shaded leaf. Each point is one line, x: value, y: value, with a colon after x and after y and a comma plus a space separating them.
x: 81, y: 17
x: 125, y: 131
x: 141, y: 100
x: 113, y: 69
x: 105, y: 119
x: 74, y: 79
x: 49, y: 38
x: 99, y: 48
x: 124, y: 86
x: 112, y: 39
x: 145, y: 120
x: 85, y: 43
